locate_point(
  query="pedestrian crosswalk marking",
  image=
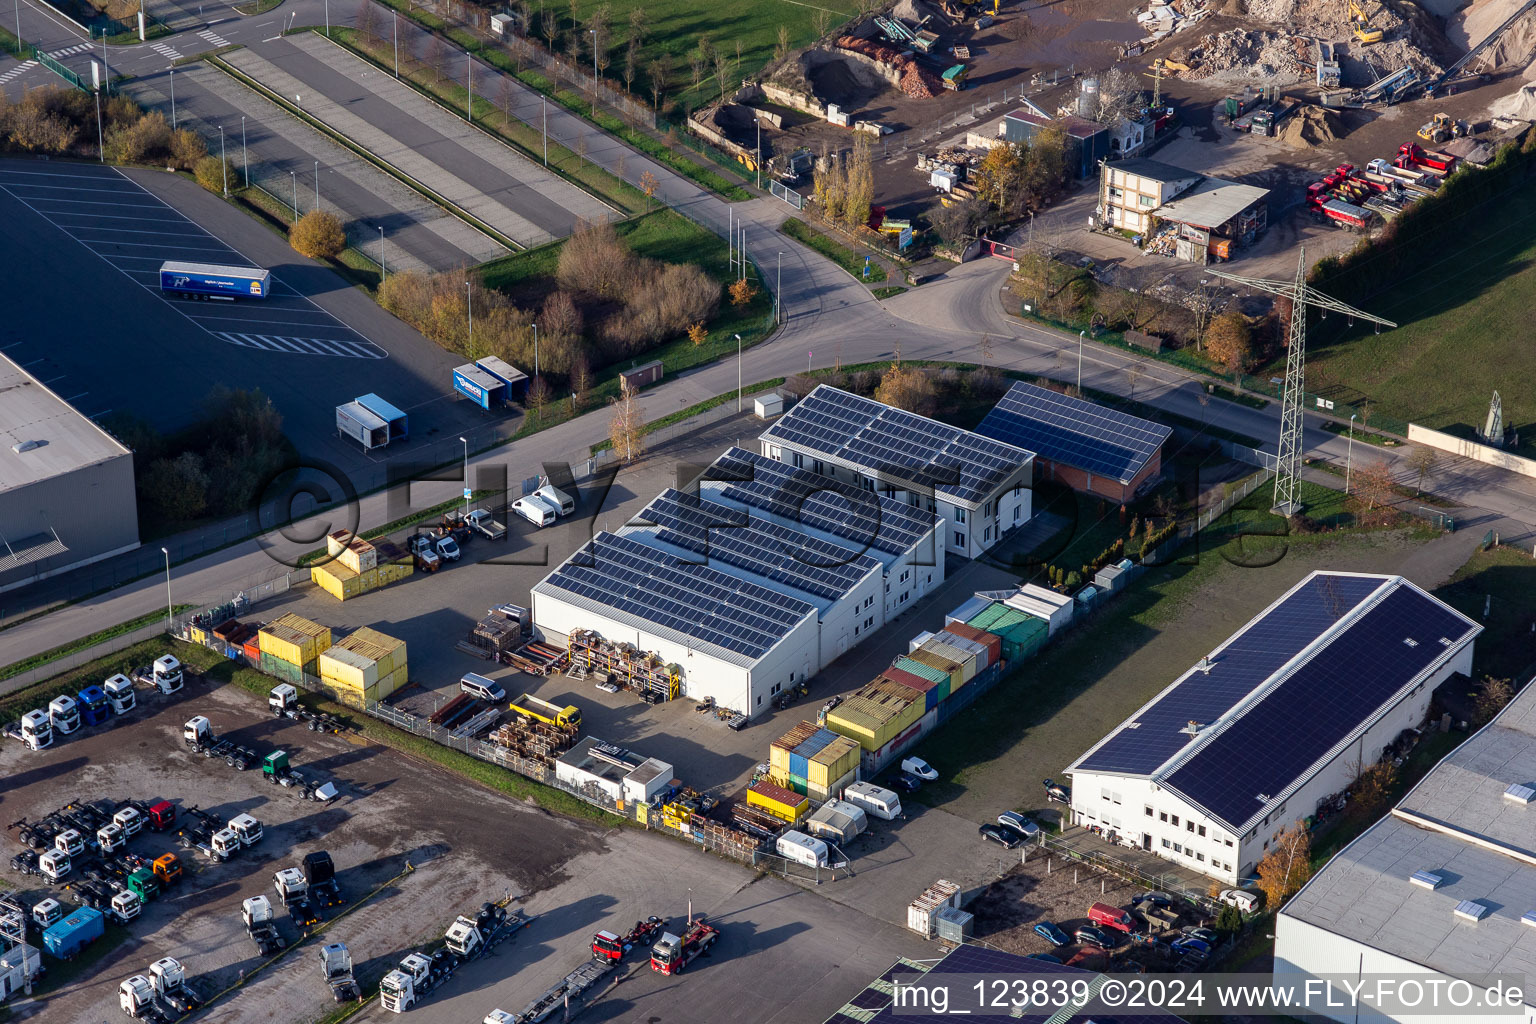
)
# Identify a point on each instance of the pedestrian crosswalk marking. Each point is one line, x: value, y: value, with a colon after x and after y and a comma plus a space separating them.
x: 213, y: 37
x: 338, y: 347
x: 19, y: 69
x: 77, y: 48
x: 166, y: 51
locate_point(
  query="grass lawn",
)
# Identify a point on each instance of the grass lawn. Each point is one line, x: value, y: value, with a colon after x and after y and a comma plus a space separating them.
x: 9, y: 44
x: 661, y: 235
x: 85, y: 642
x: 1502, y: 579
x: 1049, y: 711
x: 673, y: 29
x: 833, y: 250
x: 1465, y: 311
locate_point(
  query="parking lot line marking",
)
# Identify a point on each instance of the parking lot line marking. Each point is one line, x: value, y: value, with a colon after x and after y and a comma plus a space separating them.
x: 145, y: 231
x: 110, y: 216
x: 361, y: 347
x: 148, y: 245
x: 77, y: 188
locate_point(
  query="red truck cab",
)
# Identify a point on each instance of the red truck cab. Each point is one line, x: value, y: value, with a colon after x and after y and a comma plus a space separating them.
x: 1106, y: 916
x: 162, y: 815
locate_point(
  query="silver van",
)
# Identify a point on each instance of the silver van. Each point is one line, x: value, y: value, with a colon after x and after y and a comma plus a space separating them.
x: 479, y: 686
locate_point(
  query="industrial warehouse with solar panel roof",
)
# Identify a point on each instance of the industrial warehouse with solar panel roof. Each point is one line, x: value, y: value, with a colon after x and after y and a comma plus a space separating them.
x: 753, y: 579
x: 1275, y: 720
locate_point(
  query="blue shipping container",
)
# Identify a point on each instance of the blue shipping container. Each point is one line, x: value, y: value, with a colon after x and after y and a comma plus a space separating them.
x: 798, y: 765
x: 93, y: 706
x: 399, y: 426
x: 73, y: 933
x: 209, y: 279
x: 478, y: 386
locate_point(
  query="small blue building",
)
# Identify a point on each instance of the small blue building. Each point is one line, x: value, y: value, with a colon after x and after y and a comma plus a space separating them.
x: 1087, y: 141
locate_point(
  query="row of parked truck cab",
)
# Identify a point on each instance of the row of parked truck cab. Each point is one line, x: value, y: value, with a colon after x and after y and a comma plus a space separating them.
x: 93, y: 705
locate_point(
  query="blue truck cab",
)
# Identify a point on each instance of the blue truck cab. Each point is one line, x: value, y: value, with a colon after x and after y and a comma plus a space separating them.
x: 213, y: 281
x: 93, y: 705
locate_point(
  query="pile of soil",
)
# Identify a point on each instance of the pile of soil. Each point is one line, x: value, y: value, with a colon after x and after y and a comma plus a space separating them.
x: 1311, y: 126
x: 915, y: 82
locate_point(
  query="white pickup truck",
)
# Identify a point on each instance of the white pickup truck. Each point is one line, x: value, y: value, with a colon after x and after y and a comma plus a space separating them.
x: 480, y: 519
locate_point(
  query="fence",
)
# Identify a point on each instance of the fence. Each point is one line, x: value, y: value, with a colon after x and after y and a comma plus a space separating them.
x: 789, y: 195
x: 1172, y: 883
x: 62, y: 71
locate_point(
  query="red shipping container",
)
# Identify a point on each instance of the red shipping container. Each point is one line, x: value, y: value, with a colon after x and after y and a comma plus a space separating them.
x: 905, y: 678
x: 252, y: 649
x: 993, y: 644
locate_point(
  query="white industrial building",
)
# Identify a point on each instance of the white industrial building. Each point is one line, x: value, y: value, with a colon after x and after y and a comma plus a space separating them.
x: 613, y: 771
x: 1442, y: 888
x: 1275, y: 720
x: 979, y: 487
x: 66, y: 486
x: 755, y: 578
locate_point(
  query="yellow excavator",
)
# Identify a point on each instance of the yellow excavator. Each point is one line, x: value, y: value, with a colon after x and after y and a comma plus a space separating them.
x: 1360, y: 22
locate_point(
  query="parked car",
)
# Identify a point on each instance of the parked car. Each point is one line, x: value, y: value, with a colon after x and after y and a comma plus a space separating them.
x: 907, y: 783
x: 1052, y: 934
x: 922, y: 769
x: 1189, y: 944
x: 1015, y: 820
x: 1243, y: 899
x: 1056, y: 793
x: 1161, y: 900
x: 1088, y: 935
x: 1205, y: 935
x: 1047, y: 957
x: 1000, y: 834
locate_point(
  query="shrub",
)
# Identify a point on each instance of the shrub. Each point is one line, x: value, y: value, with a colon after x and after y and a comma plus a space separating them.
x: 213, y: 174
x: 319, y: 235
x: 187, y: 148
x: 135, y: 142
x: 742, y: 293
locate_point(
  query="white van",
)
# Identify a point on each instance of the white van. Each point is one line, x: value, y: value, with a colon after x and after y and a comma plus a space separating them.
x: 802, y: 849
x: 535, y: 509
x: 479, y: 686
x: 564, y: 504
x: 877, y: 801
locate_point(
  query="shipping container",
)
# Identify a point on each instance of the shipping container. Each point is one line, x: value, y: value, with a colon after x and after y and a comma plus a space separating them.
x: 634, y: 379
x: 969, y: 610
x: 69, y: 935
x: 839, y: 757
x: 1021, y: 633
x: 918, y: 641
x: 478, y: 386
x: 778, y: 801
x: 943, y: 663
x: 836, y: 785
x: 953, y: 925
x: 295, y: 639
x: 252, y: 651
x: 287, y: 671
x: 779, y: 750
x: 876, y: 713
x: 982, y: 654
x: 351, y: 550
x: 399, y: 426
x: 382, y: 653
x: 353, y: 695
x: 990, y: 641
x: 355, y: 422
x: 921, y: 912
x: 343, y: 584
x: 514, y: 381
x: 965, y: 658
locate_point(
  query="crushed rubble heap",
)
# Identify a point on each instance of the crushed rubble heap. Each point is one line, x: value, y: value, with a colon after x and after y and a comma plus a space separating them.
x: 915, y: 82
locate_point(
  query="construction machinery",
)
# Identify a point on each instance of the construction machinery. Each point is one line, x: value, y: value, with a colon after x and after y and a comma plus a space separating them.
x: 1441, y: 128
x: 336, y: 965
x: 1360, y: 23
x: 261, y: 924
x: 169, y: 980
x: 607, y: 945
x: 1467, y: 58
x: 1328, y: 75
x: 672, y: 953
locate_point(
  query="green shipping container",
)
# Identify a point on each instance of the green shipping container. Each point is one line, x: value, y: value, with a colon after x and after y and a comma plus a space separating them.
x: 1021, y: 633
x: 287, y: 671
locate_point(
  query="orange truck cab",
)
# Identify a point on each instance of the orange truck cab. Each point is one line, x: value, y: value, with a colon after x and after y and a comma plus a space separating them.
x: 1106, y: 916
x: 168, y: 869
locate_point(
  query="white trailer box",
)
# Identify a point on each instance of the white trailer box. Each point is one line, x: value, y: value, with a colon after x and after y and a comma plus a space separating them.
x: 802, y: 849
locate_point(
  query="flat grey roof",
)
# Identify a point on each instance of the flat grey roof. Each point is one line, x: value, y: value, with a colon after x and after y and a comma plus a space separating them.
x: 1458, y: 823
x: 1212, y: 202
x: 31, y: 412
x: 1154, y: 169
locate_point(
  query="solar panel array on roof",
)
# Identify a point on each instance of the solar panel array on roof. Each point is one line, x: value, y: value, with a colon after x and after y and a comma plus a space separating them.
x: 1319, y: 704
x: 896, y: 444
x: 693, y: 600
x: 1074, y: 432
x: 1153, y: 736
x: 820, y: 502
x: 773, y: 552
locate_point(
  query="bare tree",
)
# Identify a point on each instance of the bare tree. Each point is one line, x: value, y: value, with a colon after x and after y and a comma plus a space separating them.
x: 1133, y: 374
x: 1201, y: 302
x: 1119, y: 96
x: 659, y: 71
x: 821, y: 20
x: 1422, y: 461
x: 581, y: 149
x: 549, y: 25
x: 781, y: 49
x: 506, y: 101
x: 722, y: 72
x: 598, y: 32
x: 437, y: 52
x: 367, y: 21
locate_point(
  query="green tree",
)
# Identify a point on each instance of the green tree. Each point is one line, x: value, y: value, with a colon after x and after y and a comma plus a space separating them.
x: 176, y: 488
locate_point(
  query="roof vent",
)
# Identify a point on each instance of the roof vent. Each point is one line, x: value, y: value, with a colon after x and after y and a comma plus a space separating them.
x: 25, y: 446
x: 1192, y: 729
x: 1520, y: 793
x: 1205, y: 665
x: 1529, y: 918
x: 1471, y: 910
x: 1427, y: 879
x: 1410, y: 641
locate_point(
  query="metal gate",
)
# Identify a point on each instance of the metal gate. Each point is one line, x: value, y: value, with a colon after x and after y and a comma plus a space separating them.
x: 1000, y: 250
x: 787, y: 194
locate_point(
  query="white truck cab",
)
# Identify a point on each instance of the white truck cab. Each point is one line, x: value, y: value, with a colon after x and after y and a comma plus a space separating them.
x: 136, y: 996
x: 69, y: 842
x: 167, y: 673
x: 47, y: 912
x: 119, y: 691
x: 283, y: 698
x: 247, y: 828
x: 37, y: 729
x: 54, y: 864
x: 64, y: 713
x: 126, y: 905
x: 130, y: 820
x: 110, y: 838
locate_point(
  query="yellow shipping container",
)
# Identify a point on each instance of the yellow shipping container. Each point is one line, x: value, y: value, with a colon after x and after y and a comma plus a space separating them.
x: 294, y: 639
x: 385, y: 651
x: 821, y: 794
x: 778, y: 801
x: 356, y: 696
x: 351, y: 551
x: 870, y: 724
x: 836, y: 759
x: 779, y: 750
x: 343, y: 583
x: 348, y: 669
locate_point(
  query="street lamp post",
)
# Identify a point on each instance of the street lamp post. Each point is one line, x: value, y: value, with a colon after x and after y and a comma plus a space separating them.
x: 1349, y: 460
x: 383, y: 274
x: 295, y: 176
x: 594, y: 72
x: 778, y: 292
x: 469, y: 81
x: 245, y: 157
x: 173, y: 96
x: 327, y: 19
x: 466, y: 478
x: 101, y: 144
x: 1080, y: 336
x: 223, y: 162
x: 397, y: 43
x: 168, y: 615
x: 738, y: 373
